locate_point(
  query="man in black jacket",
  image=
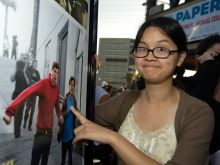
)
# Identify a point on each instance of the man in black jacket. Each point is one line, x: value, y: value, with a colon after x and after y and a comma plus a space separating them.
x: 34, y: 76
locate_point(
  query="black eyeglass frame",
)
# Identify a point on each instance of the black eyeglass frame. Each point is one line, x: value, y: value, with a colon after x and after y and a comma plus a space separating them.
x: 170, y: 52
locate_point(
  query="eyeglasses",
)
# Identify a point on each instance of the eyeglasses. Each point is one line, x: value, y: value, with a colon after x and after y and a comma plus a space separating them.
x: 158, y: 52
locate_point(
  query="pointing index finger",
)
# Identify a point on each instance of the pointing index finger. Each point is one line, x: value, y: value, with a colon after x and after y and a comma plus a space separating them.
x: 81, y: 118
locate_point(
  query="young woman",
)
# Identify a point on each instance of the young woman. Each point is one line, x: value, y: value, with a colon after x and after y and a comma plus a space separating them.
x: 160, y: 124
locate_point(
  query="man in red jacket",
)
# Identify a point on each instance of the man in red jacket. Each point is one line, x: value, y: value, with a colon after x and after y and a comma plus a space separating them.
x: 48, y: 93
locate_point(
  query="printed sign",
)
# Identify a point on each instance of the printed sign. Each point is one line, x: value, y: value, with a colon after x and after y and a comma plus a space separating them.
x: 199, y: 20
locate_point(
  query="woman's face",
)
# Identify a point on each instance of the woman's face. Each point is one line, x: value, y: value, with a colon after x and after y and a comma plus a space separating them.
x: 155, y: 70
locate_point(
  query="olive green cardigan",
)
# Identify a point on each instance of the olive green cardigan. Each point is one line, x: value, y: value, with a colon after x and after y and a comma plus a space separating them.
x: 194, y: 123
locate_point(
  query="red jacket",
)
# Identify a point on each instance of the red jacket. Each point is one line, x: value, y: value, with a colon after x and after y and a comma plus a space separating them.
x: 48, y: 100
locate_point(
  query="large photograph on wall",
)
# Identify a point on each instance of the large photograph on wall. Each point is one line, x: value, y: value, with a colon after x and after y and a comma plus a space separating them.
x: 43, y: 63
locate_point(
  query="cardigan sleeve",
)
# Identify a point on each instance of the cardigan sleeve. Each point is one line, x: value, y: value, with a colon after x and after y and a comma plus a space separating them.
x: 194, y: 136
x: 112, y: 113
x: 106, y: 114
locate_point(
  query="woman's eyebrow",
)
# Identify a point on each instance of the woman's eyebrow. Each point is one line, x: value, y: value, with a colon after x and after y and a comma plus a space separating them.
x: 142, y: 42
x: 159, y: 41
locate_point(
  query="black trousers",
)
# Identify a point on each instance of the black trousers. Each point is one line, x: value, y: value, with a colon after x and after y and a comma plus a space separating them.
x: 68, y: 146
x: 41, y: 149
x: 29, y: 111
x: 18, y: 120
x: 14, y: 55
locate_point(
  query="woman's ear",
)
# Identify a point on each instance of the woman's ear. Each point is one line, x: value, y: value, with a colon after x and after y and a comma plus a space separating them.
x: 181, y: 59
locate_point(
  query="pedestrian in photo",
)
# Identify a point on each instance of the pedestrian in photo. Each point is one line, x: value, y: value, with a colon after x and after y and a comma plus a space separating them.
x: 14, y: 47
x: 6, y: 46
x: 66, y: 133
x: 34, y: 77
x: 21, y: 83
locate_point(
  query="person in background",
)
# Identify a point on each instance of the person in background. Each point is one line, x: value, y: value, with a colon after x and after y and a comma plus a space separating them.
x: 205, y: 84
x: 101, y: 95
x: 6, y: 46
x: 66, y: 132
x: 160, y: 124
x: 34, y: 77
x: 104, y: 84
x: 14, y: 47
x: 48, y: 93
x: 107, y: 87
x: 21, y: 83
x: 120, y: 90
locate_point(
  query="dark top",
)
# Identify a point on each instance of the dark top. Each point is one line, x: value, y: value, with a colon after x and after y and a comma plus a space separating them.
x: 33, y: 75
x: 20, y: 84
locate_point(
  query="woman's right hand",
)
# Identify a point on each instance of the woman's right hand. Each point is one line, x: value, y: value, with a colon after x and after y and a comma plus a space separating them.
x: 90, y: 131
